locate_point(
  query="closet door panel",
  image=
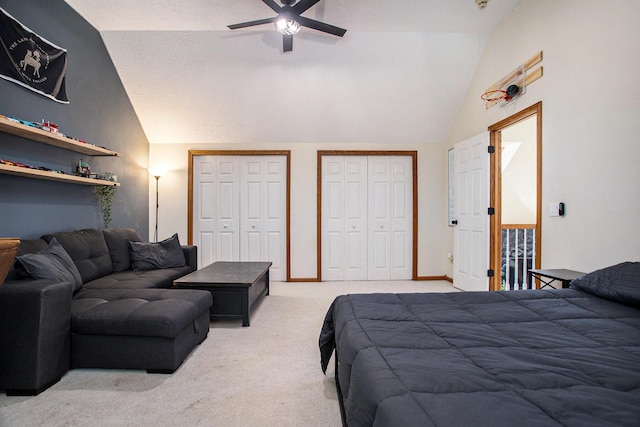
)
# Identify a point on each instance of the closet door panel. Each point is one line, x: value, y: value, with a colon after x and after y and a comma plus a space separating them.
x: 401, y: 219
x: 367, y: 217
x: 227, y: 208
x: 333, y: 218
x: 355, y: 224
x: 274, y: 224
x: 240, y: 210
x: 379, y: 218
x: 263, y: 208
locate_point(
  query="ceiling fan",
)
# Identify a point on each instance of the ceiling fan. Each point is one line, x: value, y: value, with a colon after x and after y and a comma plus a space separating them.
x: 289, y: 21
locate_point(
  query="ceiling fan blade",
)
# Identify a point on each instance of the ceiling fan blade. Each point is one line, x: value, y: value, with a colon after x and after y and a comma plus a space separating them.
x: 273, y: 5
x: 321, y: 26
x: 303, y: 5
x: 287, y: 43
x: 252, y: 23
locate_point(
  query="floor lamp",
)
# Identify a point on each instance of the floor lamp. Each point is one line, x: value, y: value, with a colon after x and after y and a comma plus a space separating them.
x: 157, y: 173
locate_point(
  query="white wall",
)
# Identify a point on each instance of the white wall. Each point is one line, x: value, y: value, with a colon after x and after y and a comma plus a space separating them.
x: 590, y: 122
x: 431, y: 198
x: 590, y: 96
x: 519, y: 192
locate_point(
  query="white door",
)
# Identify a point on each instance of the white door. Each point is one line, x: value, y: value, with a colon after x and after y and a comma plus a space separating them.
x: 216, y: 207
x: 390, y: 217
x: 263, y: 212
x: 366, y: 217
x: 240, y: 210
x: 471, y: 233
x: 344, y: 201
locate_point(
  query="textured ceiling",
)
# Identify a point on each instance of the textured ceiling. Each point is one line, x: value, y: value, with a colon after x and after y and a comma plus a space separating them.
x: 354, y: 15
x: 191, y: 80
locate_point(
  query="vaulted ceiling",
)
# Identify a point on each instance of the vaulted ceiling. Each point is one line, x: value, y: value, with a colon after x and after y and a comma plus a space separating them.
x: 399, y: 74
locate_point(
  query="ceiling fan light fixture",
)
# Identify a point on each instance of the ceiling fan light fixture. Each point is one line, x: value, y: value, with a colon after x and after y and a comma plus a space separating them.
x: 287, y: 26
x: 289, y: 20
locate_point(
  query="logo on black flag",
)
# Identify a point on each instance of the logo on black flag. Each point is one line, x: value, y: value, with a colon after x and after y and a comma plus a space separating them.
x: 31, y: 61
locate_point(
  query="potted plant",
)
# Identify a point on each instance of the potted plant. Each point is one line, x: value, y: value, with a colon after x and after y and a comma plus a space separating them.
x: 105, y: 194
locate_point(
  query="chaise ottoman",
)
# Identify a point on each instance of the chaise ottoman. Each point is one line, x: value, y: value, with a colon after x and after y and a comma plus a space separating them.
x: 152, y: 329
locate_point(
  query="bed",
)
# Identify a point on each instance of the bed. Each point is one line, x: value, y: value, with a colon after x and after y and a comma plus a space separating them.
x: 564, y: 357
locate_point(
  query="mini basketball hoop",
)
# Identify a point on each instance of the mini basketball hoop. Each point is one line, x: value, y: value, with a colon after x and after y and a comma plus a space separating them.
x: 495, y: 95
x: 508, y: 89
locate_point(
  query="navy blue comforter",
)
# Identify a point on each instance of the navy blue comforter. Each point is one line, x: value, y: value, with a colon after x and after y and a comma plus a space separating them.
x: 566, y: 357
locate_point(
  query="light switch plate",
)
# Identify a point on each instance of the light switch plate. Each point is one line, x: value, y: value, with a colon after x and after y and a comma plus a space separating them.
x: 554, y: 209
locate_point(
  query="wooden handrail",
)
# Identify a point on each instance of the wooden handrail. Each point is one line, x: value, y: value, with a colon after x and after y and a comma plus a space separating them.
x: 518, y: 226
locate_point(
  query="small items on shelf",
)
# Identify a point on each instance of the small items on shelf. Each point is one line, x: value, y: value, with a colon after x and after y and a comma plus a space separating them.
x: 107, y: 176
x: 53, y: 129
x: 23, y: 165
x: 48, y: 126
x: 79, y: 173
x: 83, y: 169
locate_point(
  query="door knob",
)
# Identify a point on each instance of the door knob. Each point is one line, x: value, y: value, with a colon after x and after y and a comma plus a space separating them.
x: 454, y: 222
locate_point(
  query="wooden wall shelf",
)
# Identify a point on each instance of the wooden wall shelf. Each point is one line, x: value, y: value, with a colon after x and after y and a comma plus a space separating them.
x: 39, y: 135
x: 52, y: 176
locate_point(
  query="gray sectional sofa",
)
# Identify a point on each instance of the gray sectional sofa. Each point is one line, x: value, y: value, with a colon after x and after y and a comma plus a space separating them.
x: 102, y: 301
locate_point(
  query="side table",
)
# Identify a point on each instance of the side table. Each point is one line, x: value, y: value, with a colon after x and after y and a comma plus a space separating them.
x: 561, y: 275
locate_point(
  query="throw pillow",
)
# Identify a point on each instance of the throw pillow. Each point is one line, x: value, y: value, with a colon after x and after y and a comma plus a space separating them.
x: 88, y: 250
x: 151, y: 256
x: 52, y: 263
x: 117, y: 241
x: 620, y: 282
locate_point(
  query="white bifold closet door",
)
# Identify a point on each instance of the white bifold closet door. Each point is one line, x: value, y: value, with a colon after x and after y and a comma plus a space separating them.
x: 239, y: 208
x: 366, y: 217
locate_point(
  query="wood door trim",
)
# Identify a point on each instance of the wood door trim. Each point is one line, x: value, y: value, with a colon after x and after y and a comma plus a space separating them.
x: 285, y: 153
x: 414, y: 240
x: 495, y: 222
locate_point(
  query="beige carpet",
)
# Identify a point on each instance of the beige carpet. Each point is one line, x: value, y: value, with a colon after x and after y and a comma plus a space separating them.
x: 265, y: 375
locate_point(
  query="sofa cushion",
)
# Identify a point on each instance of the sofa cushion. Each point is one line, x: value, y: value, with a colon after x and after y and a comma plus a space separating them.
x: 88, y: 250
x: 162, y: 278
x: 52, y: 263
x: 117, y: 242
x: 151, y: 256
x: 137, y: 312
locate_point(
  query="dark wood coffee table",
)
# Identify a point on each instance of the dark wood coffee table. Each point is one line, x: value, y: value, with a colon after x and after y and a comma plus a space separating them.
x: 236, y: 287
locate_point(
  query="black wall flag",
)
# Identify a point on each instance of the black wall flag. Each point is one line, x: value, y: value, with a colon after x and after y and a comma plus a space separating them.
x: 31, y: 61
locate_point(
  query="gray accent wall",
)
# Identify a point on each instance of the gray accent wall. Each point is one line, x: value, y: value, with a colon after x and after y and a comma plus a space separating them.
x: 99, y: 111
